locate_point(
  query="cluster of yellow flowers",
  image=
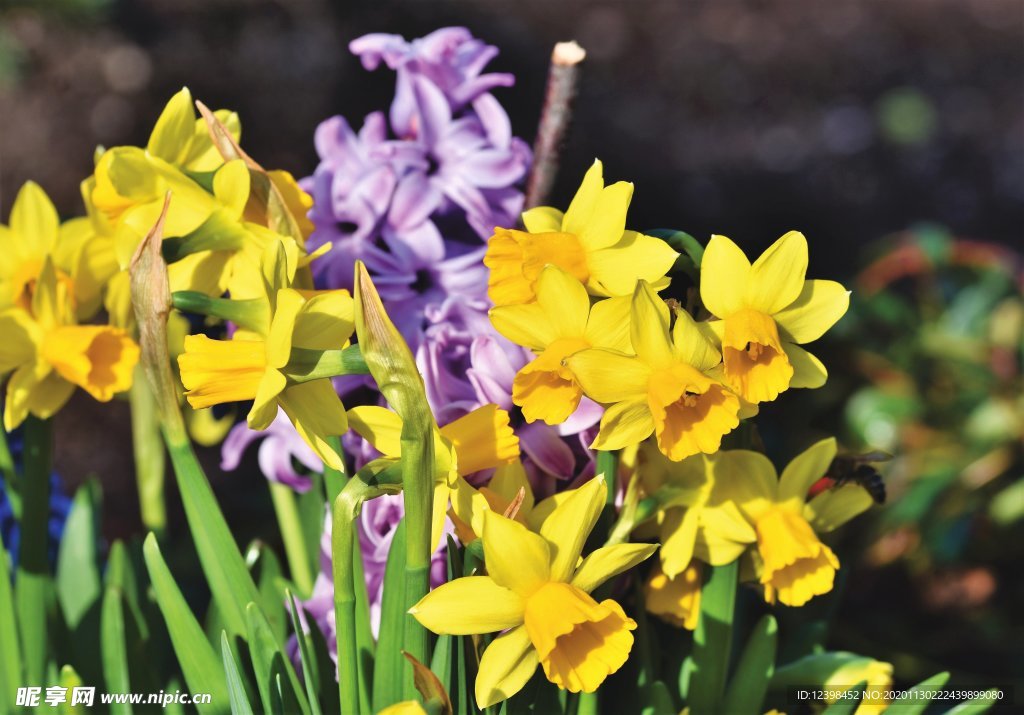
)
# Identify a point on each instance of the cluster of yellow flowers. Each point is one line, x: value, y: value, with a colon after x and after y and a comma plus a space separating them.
x: 581, y: 292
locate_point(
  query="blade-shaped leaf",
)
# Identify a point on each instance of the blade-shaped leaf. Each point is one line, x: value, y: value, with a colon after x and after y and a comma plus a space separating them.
x: 10, y: 648
x: 754, y: 670
x: 976, y: 706
x: 847, y: 705
x: 114, y: 649
x: 276, y: 679
x: 79, y: 586
x: 712, y: 640
x: 200, y: 665
x: 918, y: 696
x: 236, y: 691
x: 389, y: 666
x: 310, y: 674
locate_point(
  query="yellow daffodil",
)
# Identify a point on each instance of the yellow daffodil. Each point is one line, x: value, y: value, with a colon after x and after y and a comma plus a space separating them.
x: 688, y: 520
x: 252, y: 365
x: 182, y: 139
x: 792, y: 563
x: 666, y: 388
x: 482, y: 439
x: 676, y: 600
x: 35, y: 234
x: 49, y: 354
x: 562, y: 322
x: 766, y: 311
x: 878, y: 676
x: 539, y: 592
x: 406, y: 707
x: 588, y: 241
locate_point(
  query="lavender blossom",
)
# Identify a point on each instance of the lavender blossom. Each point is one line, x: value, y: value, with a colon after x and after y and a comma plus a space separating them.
x: 281, y: 448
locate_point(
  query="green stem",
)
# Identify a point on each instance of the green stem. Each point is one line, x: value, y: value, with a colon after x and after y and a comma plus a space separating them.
x: 148, y: 449
x: 6, y: 460
x: 607, y: 463
x: 291, y: 533
x: 342, y: 554
x: 306, y: 365
x: 418, y: 497
x: 587, y: 704
x: 251, y: 313
x: 33, y: 576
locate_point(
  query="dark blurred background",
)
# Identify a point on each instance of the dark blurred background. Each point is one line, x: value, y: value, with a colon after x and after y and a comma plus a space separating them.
x: 848, y: 120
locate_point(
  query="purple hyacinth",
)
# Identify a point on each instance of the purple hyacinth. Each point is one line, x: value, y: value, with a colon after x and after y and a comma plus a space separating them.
x: 278, y: 453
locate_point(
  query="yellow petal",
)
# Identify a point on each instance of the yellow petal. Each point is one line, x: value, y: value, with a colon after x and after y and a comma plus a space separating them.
x: 264, y: 407
x: 808, y: 371
x: 834, y: 507
x: 98, y: 358
x: 608, y: 324
x: 608, y: 376
x: 282, y: 327
x: 756, y: 365
x: 569, y: 525
x: 34, y: 219
x: 317, y: 413
x: 20, y: 335
x: 818, y: 307
x: 624, y: 424
x: 564, y: 300
x: 806, y: 468
x: 649, y: 327
x: 546, y: 388
x: 231, y: 186
x: 516, y: 558
x: 506, y: 666
x: 542, y: 219
x: 217, y: 371
x: 777, y: 276
x: 676, y: 600
x: 746, y: 478
x: 693, y: 344
x: 678, y: 537
x: 508, y: 480
x: 406, y: 707
x: 467, y: 606
x: 379, y: 426
x: 585, y: 201
x: 506, y: 283
x: 527, y: 325
x: 608, y: 220
x: 724, y: 272
x: 174, y: 129
x: 326, y: 321
x: 607, y: 561
x: 49, y: 395
x: 615, y: 270
x: 482, y: 439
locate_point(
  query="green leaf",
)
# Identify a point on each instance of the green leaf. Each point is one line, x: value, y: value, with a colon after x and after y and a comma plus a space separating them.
x: 276, y: 679
x: 754, y: 670
x: 10, y: 650
x: 69, y: 679
x: 976, y: 706
x: 114, y: 650
x: 712, y: 641
x: 691, y: 252
x: 389, y: 667
x: 236, y: 690
x: 226, y: 573
x: 266, y: 569
x: 310, y: 675
x: 200, y: 665
x: 847, y: 705
x: 79, y: 586
x: 923, y: 692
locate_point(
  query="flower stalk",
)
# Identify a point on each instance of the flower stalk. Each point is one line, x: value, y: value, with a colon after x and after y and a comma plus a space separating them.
x: 148, y: 451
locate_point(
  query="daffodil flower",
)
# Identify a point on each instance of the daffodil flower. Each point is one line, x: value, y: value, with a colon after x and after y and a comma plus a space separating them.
x: 562, y: 322
x: 35, y: 234
x: 767, y: 310
x: 482, y: 439
x: 792, y: 563
x: 538, y: 590
x: 676, y: 600
x: 588, y: 241
x: 252, y: 366
x: 667, y: 388
x: 49, y: 354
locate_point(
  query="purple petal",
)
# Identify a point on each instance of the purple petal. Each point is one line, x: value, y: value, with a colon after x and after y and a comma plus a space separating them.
x: 434, y: 112
x: 235, y: 444
x: 542, y: 444
x: 492, y: 168
x: 415, y: 199
x: 586, y: 415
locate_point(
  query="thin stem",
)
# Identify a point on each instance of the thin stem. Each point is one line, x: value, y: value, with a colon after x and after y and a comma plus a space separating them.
x: 307, y: 365
x: 342, y: 553
x: 418, y: 497
x: 554, y: 120
x: 148, y: 449
x: 33, y: 575
x: 6, y: 460
x: 291, y: 533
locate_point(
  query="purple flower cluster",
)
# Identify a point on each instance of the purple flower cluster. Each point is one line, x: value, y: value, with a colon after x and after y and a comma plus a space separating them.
x: 417, y: 202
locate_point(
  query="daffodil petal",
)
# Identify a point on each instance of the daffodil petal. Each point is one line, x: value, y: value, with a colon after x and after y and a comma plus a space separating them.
x: 607, y: 561
x: 564, y: 300
x: 282, y: 327
x: 608, y: 376
x: 808, y: 371
x: 746, y: 478
x: 585, y: 201
x: 636, y: 256
x: 608, y: 324
x: 542, y: 219
x: 264, y: 407
x: 777, y: 276
x: 693, y: 343
x: 527, y: 325
x: 18, y: 346
x: 379, y: 426
x: 679, y: 536
x: 624, y: 424
x: 482, y: 439
x: 608, y: 220
x: 516, y: 558
x: 231, y: 186
x: 317, y: 413
x: 649, y: 326
x: 818, y: 307
x: 467, y: 606
x: 325, y: 322
x: 569, y: 525
x: 724, y: 271
x: 806, y: 468
x: 834, y: 507
x: 34, y: 219
x: 506, y: 666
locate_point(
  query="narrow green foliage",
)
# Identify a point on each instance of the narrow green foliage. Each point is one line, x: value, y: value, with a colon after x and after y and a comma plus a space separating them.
x: 389, y: 666
x: 114, y: 649
x: 923, y: 693
x: 847, y: 705
x: 236, y: 690
x: 10, y: 648
x: 276, y: 679
x: 200, y: 665
x: 33, y: 582
x: 712, y: 641
x: 977, y: 705
x: 754, y: 670
x: 295, y: 546
x: 310, y: 674
x: 79, y: 585
x: 148, y: 451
